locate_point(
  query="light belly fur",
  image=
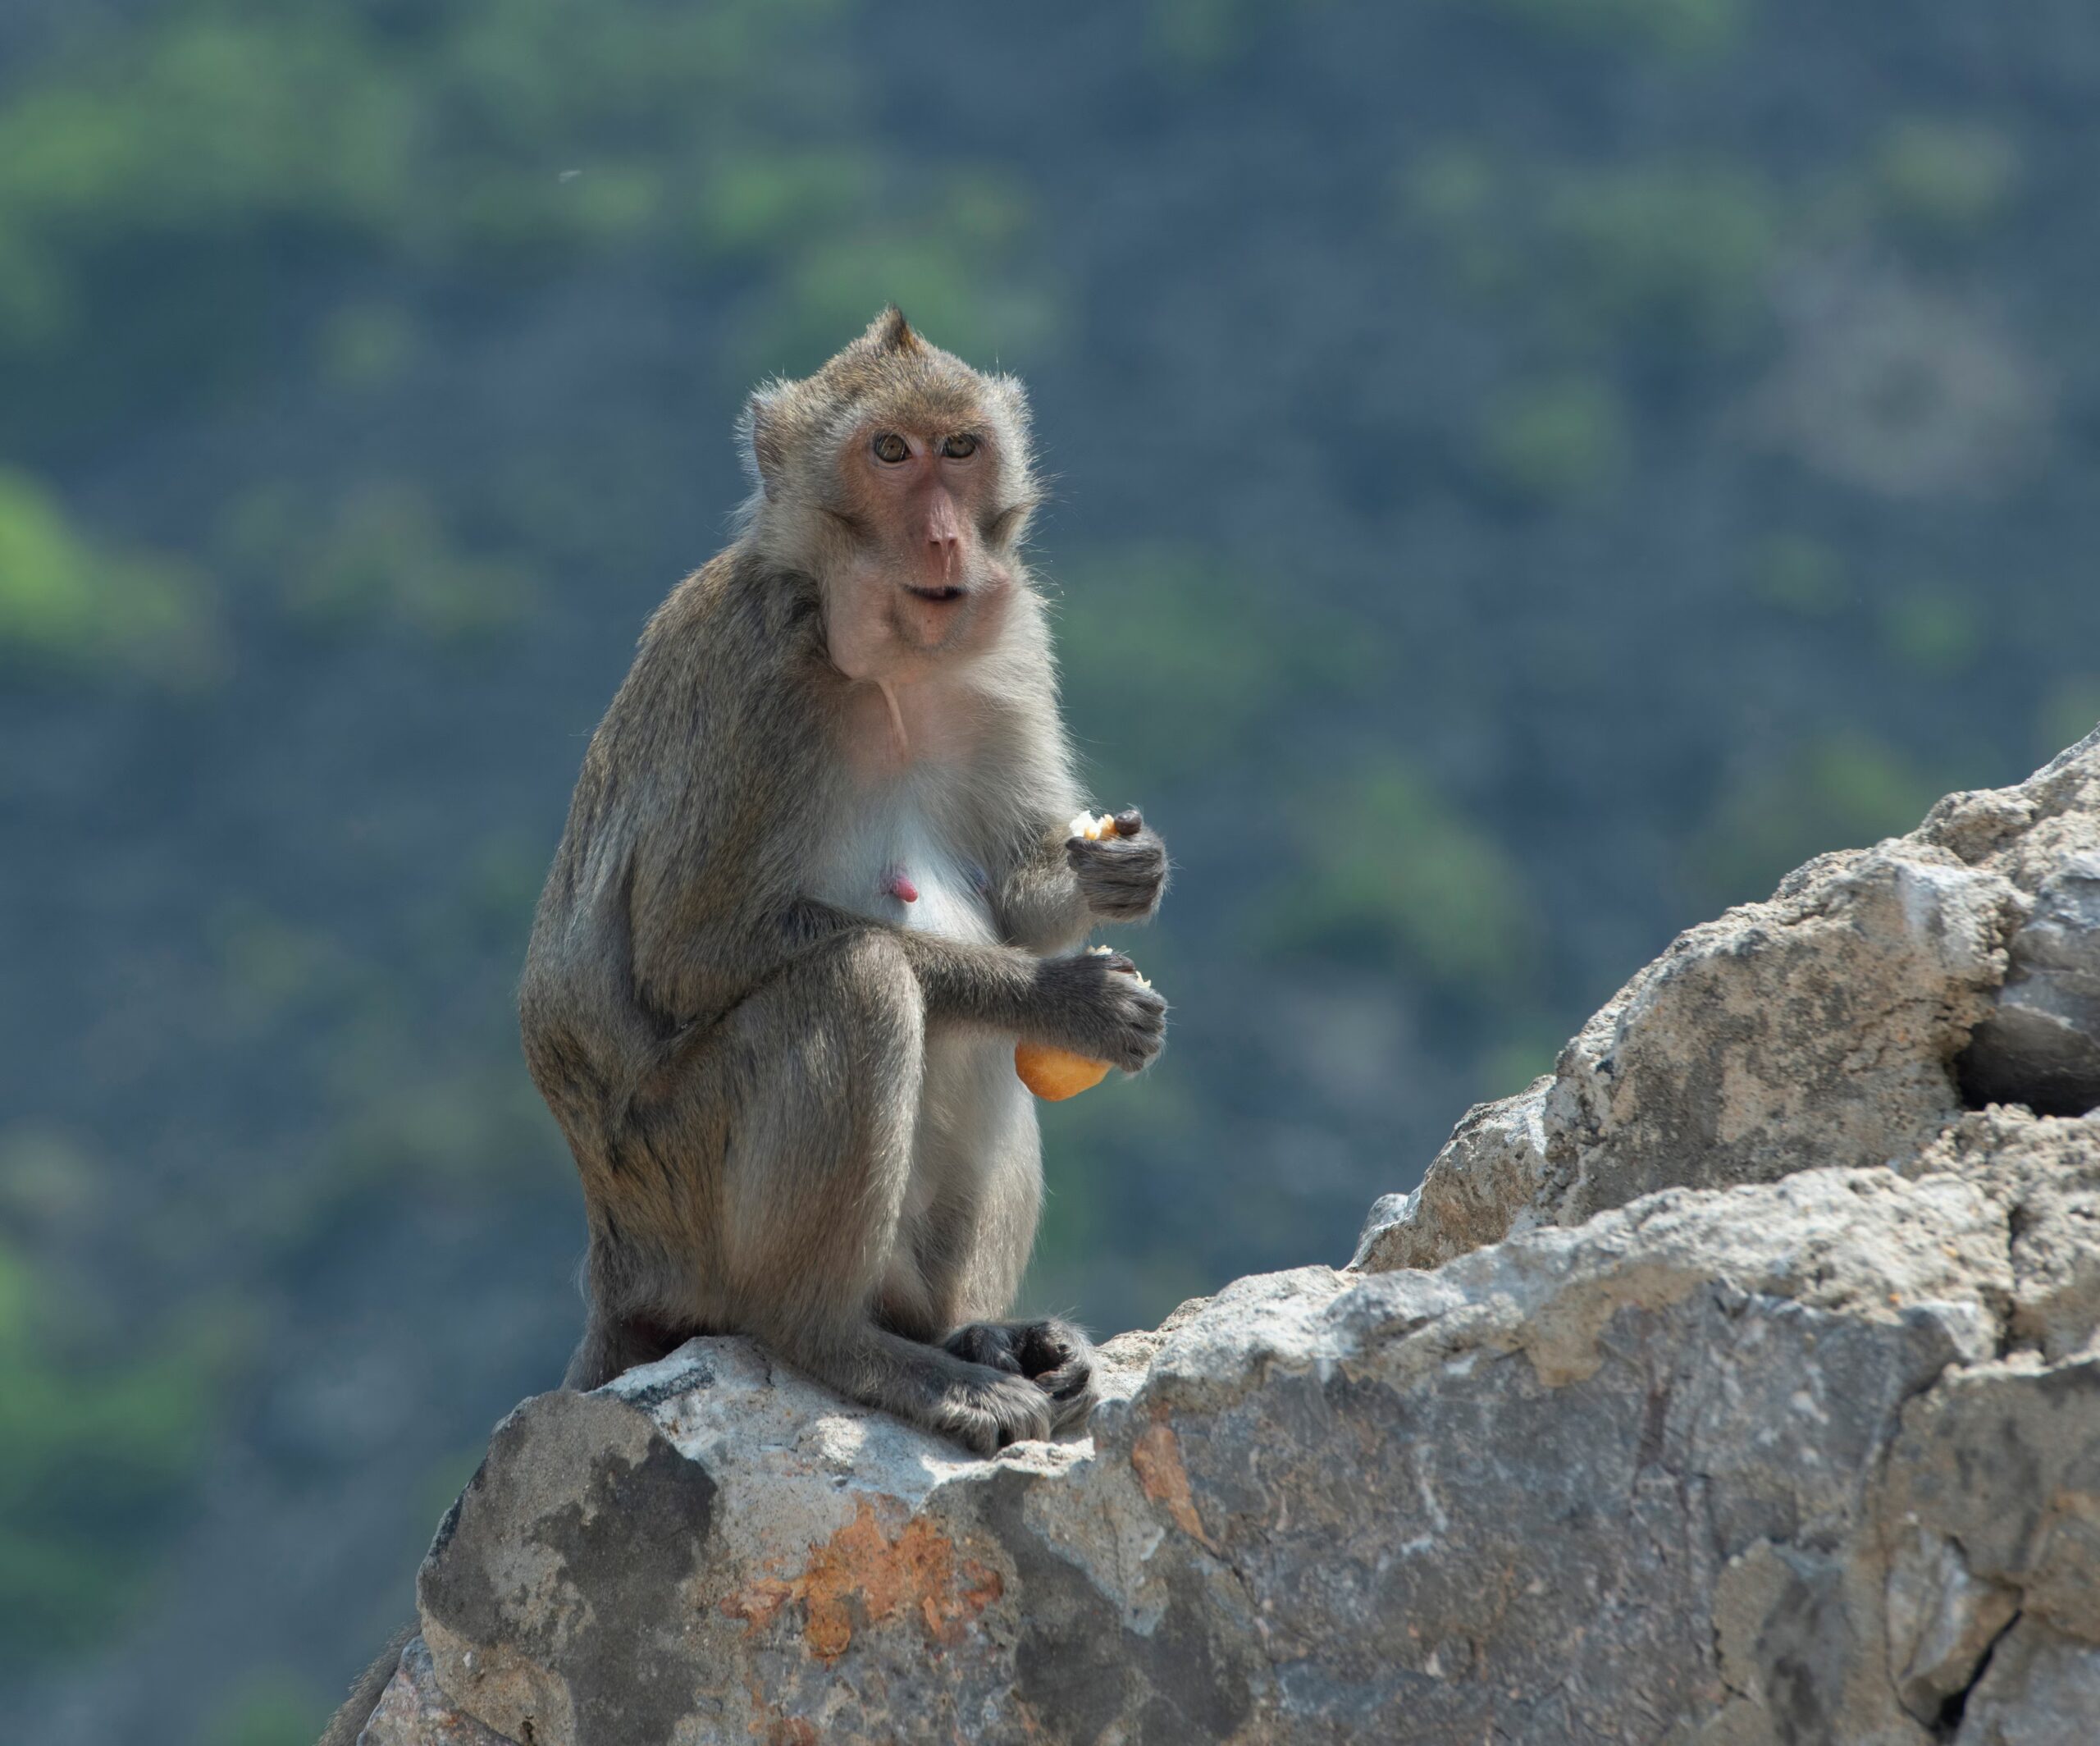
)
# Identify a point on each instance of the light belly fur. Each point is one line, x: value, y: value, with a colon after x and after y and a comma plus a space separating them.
x: 976, y: 1152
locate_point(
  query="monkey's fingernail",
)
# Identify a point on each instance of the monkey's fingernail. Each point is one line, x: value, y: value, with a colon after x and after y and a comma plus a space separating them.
x: 1130, y: 822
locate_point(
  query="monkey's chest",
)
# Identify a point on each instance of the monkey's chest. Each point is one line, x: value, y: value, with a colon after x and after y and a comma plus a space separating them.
x: 888, y: 858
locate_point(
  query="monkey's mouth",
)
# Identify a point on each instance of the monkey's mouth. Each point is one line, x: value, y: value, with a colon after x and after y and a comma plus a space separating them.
x: 939, y: 596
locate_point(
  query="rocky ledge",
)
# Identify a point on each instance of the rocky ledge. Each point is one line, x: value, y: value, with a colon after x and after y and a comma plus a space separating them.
x: 1737, y: 1383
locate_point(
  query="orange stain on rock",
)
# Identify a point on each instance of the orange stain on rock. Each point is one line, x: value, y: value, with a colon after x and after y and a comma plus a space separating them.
x: 1157, y: 1456
x: 861, y: 1568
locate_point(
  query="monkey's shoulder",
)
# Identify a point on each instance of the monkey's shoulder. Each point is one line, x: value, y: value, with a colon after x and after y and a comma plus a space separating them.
x: 740, y: 603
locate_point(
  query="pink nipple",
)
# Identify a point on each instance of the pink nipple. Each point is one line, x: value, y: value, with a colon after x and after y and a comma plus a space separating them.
x: 900, y: 886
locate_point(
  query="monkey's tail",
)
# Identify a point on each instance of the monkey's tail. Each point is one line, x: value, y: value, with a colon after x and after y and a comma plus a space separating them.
x: 348, y: 1721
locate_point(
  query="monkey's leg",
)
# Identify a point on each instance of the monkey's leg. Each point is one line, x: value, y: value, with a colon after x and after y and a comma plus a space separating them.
x: 1052, y: 1353
x: 612, y: 1344
x: 819, y: 1070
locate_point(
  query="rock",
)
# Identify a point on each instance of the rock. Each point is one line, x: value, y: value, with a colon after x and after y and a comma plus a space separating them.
x: 2043, y: 1688
x: 2040, y: 1045
x: 413, y: 1711
x: 1755, y: 1399
x: 2046, y: 1174
x: 1610, y: 1480
x: 1821, y: 1027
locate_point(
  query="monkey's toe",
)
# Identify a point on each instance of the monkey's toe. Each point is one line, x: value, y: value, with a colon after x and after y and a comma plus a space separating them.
x: 990, y: 1343
x: 1052, y: 1353
x: 986, y: 1416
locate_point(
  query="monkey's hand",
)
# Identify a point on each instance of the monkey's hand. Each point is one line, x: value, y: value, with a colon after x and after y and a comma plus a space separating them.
x: 1122, y: 872
x: 1094, y: 1005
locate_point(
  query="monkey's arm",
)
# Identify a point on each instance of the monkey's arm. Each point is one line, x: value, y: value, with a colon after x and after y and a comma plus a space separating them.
x: 1055, y: 894
x: 1084, y: 1003
x: 1039, y: 905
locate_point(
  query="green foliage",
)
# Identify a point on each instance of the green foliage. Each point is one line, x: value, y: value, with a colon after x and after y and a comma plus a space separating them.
x: 1944, y: 178
x: 496, y: 138
x: 49, y: 1181
x: 938, y: 274
x: 1678, y: 26
x: 753, y: 203
x: 95, y: 1458
x: 365, y: 346
x: 2068, y: 712
x: 67, y: 606
x: 1555, y: 442
x: 1844, y: 791
x: 1199, y: 35
x: 379, y: 557
x: 271, y: 969
x: 1173, y: 658
x: 1935, y: 630
x: 1642, y: 257
x: 1800, y: 575
x: 270, y: 1707
x: 1508, y: 1068
x: 1686, y: 247
x: 1407, y: 882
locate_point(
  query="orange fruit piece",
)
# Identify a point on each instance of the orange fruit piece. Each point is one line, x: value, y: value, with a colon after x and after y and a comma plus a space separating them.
x: 1056, y: 1074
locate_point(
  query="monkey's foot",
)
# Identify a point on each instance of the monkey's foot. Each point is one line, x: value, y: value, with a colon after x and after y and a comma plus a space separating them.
x: 1053, y: 1354
x: 985, y: 1416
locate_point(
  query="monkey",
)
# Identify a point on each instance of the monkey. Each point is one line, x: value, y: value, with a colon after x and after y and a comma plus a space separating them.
x: 817, y: 878
x: 816, y: 881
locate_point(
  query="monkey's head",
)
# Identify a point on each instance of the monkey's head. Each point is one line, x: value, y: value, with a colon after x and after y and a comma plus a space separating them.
x: 899, y: 478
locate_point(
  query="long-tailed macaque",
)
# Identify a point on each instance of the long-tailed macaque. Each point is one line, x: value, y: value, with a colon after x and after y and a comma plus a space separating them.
x: 818, y: 878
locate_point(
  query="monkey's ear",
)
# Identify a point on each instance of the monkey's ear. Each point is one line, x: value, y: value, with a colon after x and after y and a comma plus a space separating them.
x: 890, y: 332
x: 759, y: 436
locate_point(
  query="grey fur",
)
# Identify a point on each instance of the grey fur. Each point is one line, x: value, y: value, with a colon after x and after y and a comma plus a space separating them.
x: 794, y: 1111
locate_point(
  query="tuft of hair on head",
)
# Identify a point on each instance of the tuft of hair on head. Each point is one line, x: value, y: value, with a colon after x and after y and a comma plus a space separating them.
x: 890, y: 332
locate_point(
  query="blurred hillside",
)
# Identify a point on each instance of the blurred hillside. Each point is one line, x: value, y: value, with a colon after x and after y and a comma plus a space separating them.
x: 1529, y: 472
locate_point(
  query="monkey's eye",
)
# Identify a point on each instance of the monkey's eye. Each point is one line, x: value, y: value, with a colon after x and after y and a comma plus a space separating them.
x: 891, y: 448
x: 960, y: 447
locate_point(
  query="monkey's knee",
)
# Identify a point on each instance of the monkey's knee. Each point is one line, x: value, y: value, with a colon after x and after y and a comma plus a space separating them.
x: 875, y: 990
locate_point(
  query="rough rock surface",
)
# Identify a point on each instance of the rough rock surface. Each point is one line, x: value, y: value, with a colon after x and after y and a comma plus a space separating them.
x: 1754, y: 1397
x: 1837, y: 1023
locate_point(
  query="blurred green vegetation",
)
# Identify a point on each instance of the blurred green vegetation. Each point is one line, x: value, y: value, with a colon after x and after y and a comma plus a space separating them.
x: 1944, y: 177
x: 1555, y: 442
x: 1844, y: 791
x: 99, y: 1452
x: 1681, y: 26
x: 500, y: 142
x: 2068, y: 712
x: 1935, y: 630
x: 68, y: 605
x: 380, y: 556
x: 1173, y: 661
x: 1392, y: 873
x: 267, y: 1706
x: 1799, y: 575
x: 1644, y: 258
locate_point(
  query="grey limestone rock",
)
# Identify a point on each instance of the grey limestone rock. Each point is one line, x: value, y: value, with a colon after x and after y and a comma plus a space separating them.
x: 1844, y: 1021
x: 1754, y: 1397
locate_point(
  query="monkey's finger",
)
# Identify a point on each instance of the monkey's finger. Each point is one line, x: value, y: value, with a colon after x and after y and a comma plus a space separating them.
x: 1067, y: 1380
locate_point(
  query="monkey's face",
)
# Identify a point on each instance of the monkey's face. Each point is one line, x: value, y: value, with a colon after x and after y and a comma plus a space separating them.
x: 929, y: 580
